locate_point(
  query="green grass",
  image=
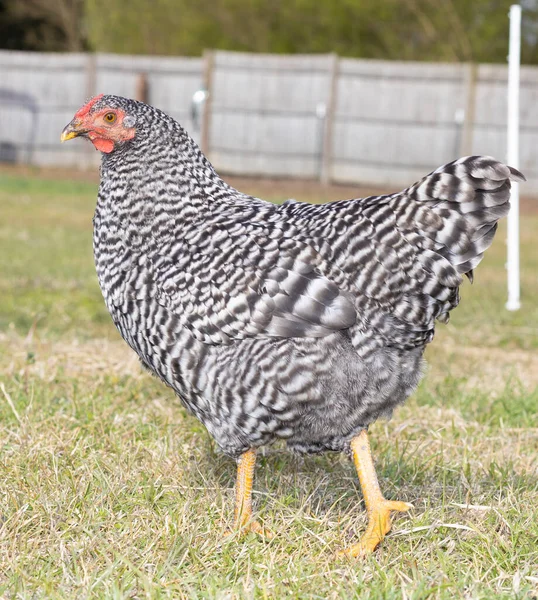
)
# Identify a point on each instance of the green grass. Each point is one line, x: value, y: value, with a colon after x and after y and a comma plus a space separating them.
x: 110, y: 490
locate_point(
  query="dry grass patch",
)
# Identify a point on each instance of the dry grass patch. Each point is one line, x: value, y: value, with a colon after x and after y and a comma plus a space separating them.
x: 111, y: 490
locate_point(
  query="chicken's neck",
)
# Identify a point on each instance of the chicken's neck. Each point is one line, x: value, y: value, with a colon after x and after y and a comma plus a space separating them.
x: 154, y: 191
x: 170, y: 169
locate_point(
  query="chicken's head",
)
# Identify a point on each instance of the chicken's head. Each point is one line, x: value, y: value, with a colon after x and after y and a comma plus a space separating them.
x: 104, y: 123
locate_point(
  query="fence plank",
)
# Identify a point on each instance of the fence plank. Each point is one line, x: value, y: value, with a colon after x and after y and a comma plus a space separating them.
x: 207, y: 86
x: 328, y: 129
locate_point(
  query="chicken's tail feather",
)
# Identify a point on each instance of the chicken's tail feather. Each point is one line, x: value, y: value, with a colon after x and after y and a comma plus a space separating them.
x: 466, y: 199
x: 456, y: 211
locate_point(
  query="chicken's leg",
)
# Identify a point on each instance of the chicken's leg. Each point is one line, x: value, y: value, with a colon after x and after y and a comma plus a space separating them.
x: 377, y: 507
x: 243, y: 496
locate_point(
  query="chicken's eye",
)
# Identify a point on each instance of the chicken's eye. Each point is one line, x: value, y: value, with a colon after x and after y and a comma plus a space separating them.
x: 110, y: 117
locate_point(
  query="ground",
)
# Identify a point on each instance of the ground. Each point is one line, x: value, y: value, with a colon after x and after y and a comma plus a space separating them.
x: 109, y: 489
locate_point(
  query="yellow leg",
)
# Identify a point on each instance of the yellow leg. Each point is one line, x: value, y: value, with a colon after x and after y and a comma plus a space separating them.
x: 377, y: 507
x: 243, y: 496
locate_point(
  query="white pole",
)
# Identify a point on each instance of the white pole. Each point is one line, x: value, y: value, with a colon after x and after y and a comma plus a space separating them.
x: 512, y: 263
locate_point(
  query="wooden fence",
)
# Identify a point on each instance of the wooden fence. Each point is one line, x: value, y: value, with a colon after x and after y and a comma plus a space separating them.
x: 314, y: 116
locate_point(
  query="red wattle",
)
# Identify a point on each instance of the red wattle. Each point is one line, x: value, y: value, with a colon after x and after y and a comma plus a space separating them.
x: 103, y: 145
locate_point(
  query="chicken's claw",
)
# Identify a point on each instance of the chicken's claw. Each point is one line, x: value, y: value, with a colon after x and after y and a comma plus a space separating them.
x: 378, y: 526
x: 252, y: 526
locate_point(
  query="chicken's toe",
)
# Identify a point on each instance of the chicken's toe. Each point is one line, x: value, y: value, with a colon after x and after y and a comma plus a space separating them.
x: 378, y: 526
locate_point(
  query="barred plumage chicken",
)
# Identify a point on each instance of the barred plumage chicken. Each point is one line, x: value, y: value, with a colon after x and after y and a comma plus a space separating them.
x: 297, y: 322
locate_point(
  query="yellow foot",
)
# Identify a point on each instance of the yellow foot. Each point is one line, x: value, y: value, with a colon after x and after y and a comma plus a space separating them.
x: 378, y: 527
x: 253, y: 526
x: 243, y: 521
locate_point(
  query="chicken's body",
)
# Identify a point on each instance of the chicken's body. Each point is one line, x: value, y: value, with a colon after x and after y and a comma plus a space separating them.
x: 316, y: 392
x: 296, y: 322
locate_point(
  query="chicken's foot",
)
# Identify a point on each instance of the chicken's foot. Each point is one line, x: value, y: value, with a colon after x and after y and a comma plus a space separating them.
x: 377, y: 507
x: 243, y: 520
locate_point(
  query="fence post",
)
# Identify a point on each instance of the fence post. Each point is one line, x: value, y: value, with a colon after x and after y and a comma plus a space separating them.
x: 91, y: 82
x: 207, y: 82
x: 466, y: 142
x: 142, y: 88
x: 91, y: 74
x: 326, y: 157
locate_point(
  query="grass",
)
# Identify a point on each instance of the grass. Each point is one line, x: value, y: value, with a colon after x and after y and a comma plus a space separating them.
x: 110, y: 490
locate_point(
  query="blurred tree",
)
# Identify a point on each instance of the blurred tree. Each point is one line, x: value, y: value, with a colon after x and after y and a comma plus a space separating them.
x: 12, y: 30
x: 42, y: 25
x: 448, y: 30
x: 451, y: 30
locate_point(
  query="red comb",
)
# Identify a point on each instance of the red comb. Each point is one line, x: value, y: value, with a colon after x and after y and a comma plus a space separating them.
x: 86, y: 108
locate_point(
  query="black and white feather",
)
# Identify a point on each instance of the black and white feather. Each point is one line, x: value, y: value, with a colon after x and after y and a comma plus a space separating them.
x: 301, y: 322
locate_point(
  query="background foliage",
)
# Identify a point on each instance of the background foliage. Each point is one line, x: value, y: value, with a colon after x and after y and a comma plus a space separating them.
x: 452, y: 30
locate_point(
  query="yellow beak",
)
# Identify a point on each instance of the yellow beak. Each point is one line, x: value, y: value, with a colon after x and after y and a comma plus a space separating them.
x: 71, y: 131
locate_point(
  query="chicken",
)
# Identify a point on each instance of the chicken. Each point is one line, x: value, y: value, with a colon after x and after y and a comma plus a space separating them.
x: 298, y: 322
